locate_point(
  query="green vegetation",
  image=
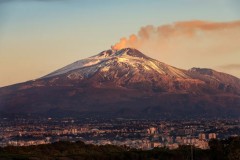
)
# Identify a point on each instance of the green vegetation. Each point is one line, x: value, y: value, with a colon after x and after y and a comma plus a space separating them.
x: 220, y: 150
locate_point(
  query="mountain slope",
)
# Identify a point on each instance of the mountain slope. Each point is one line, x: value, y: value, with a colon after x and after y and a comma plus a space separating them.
x: 125, y: 83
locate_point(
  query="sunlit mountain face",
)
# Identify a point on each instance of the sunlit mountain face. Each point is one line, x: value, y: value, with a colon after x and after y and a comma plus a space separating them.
x: 125, y: 83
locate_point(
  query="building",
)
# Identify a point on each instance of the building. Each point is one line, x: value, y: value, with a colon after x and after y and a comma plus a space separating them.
x: 202, y: 136
x: 212, y: 136
x: 152, y: 130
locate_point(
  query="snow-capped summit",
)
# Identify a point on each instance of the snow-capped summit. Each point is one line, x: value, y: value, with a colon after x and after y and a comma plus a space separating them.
x: 130, y: 52
x: 123, y: 52
x: 127, y: 60
x: 127, y: 53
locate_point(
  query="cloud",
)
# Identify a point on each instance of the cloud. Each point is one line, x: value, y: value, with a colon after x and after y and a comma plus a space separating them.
x: 231, y: 66
x: 233, y: 69
x: 188, y: 44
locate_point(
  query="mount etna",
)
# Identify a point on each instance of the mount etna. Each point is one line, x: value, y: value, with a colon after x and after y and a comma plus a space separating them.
x: 125, y: 83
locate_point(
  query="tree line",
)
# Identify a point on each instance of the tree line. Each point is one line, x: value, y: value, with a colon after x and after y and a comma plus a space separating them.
x: 228, y: 149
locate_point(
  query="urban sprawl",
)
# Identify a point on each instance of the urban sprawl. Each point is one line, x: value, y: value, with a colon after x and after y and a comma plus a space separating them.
x: 133, y: 133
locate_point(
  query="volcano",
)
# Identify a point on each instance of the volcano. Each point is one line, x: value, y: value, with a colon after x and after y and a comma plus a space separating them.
x: 125, y: 83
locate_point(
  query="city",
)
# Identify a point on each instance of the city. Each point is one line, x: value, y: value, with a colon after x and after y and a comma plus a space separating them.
x: 133, y: 133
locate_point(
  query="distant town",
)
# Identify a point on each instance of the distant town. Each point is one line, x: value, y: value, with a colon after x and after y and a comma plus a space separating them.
x: 133, y: 133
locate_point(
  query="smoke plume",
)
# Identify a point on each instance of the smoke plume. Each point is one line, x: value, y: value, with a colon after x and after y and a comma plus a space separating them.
x: 159, y: 36
x: 189, y: 43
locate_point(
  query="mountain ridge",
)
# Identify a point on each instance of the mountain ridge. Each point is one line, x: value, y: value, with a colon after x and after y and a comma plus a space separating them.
x: 125, y: 83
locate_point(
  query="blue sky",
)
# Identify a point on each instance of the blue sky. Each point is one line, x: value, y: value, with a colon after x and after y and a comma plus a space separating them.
x: 58, y: 32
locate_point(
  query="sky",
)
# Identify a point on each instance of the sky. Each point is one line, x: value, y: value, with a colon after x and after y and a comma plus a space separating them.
x: 40, y: 36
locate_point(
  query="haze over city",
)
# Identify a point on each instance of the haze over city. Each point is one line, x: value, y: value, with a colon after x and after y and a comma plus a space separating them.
x: 40, y: 36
